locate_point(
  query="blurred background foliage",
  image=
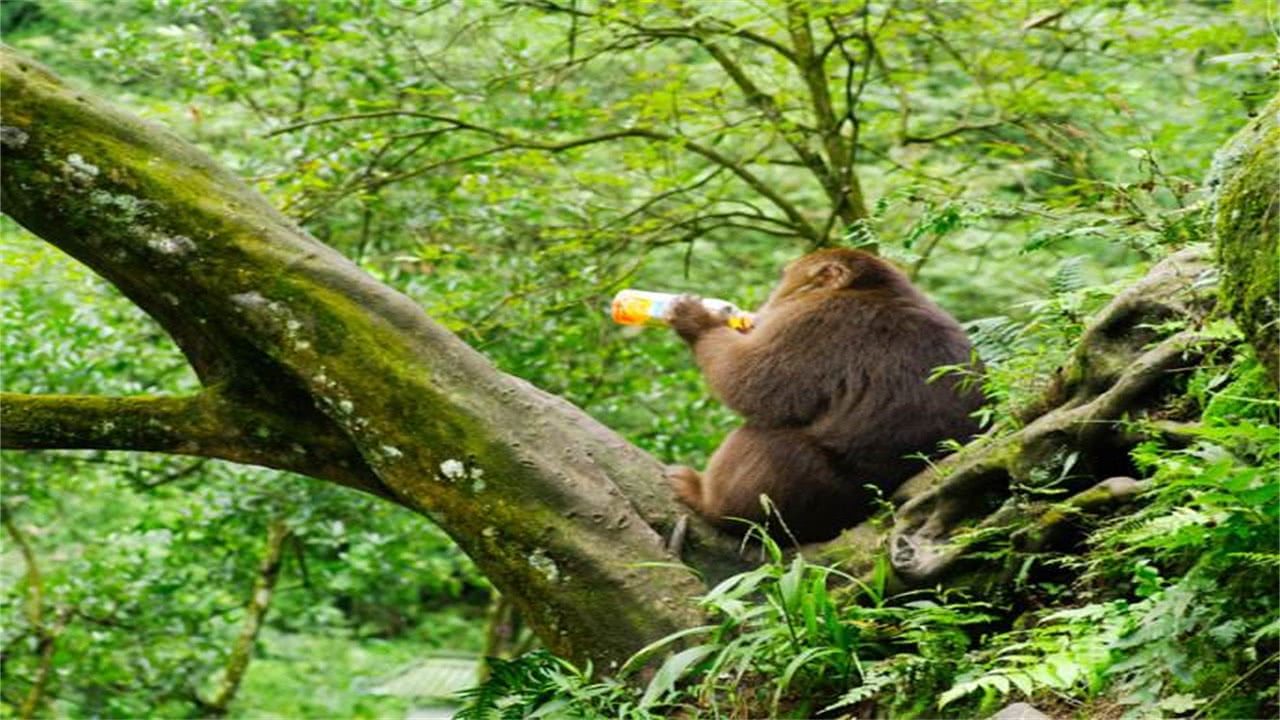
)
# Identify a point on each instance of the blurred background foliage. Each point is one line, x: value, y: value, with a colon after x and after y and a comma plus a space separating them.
x: 509, y: 165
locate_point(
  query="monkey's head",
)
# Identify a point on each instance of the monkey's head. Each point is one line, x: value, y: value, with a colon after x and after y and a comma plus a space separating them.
x: 833, y: 270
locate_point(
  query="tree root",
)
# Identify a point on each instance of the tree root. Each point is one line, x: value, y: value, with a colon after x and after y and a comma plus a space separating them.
x: 1121, y: 371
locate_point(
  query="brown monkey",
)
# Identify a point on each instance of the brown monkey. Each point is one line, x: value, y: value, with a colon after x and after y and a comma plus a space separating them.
x: 833, y: 385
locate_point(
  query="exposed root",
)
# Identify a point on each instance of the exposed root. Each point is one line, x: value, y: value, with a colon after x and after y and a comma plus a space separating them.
x: 1052, y: 520
x: 1120, y: 371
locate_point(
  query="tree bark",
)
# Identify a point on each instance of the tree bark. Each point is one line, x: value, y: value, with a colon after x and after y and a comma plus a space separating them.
x: 310, y: 365
x: 1246, y: 225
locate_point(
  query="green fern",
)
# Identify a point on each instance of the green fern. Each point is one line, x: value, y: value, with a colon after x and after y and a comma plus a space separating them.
x: 995, y: 338
x: 1260, y: 559
x: 1069, y: 277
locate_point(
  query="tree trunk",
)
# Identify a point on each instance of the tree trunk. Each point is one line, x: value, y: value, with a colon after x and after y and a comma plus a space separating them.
x: 308, y: 364
x: 255, y: 612
x: 1246, y: 224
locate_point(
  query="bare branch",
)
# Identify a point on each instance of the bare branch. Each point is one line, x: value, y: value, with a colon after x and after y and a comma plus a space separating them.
x: 512, y: 143
x: 329, y: 120
x: 1043, y: 19
x: 701, y: 225
x: 644, y: 207
x: 952, y: 132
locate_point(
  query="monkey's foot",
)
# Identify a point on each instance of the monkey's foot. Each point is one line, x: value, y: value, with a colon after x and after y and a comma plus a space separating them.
x: 687, y: 485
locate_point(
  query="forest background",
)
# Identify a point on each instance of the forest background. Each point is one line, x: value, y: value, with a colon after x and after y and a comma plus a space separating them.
x: 509, y: 165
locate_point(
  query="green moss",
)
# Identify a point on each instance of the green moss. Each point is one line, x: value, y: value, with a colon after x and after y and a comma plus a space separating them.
x: 1247, y: 224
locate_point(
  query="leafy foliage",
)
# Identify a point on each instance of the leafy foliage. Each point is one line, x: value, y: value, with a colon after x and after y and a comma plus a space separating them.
x: 1180, y: 614
x: 787, y: 634
x: 1020, y: 163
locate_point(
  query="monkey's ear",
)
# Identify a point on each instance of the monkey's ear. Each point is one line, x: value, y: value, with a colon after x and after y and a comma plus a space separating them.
x: 832, y: 275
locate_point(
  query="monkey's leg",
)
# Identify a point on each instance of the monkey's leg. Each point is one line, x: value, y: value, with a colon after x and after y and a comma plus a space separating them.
x: 687, y: 484
x: 805, y: 489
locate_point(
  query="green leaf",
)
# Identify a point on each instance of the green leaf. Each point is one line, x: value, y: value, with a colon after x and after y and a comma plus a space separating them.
x: 643, y: 653
x: 784, y: 681
x: 1181, y: 703
x: 671, y: 671
x: 789, y: 585
x: 1022, y: 681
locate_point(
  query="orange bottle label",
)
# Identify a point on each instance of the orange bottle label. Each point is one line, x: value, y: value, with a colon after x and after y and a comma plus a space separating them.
x: 635, y: 307
x: 640, y: 307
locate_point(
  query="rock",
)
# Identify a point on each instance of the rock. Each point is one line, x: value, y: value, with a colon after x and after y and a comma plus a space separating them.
x: 1019, y: 711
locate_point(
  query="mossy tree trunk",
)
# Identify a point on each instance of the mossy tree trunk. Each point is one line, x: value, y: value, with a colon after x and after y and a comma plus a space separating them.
x: 1246, y: 225
x: 308, y: 364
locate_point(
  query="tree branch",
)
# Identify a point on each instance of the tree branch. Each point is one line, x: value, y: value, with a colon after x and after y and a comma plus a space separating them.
x: 264, y: 585
x: 46, y: 635
x: 35, y: 583
x: 717, y: 26
x: 331, y: 119
x: 550, y: 504
x: 511, y: 143
x: 766, y: 103
x: 904, y: 101
x: 204, y: 425
x: 908, y: 139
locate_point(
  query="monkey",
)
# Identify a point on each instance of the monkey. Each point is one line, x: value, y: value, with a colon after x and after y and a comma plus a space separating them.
x: 833, y: 384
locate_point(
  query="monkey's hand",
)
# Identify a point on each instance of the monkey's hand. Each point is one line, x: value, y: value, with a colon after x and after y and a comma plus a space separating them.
x: 691, y: 318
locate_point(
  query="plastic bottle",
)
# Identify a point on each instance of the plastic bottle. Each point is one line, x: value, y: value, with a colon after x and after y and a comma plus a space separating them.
x: 641, y: 307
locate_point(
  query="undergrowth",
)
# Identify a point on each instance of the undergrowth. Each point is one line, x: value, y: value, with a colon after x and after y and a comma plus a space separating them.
x: 1171, y: 612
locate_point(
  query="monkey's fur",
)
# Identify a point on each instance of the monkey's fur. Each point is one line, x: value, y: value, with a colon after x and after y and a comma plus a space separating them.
x: 833, y: 385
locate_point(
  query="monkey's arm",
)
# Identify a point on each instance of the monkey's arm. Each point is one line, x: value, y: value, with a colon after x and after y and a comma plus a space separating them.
x: 763, y: 376
x: 775, y: 375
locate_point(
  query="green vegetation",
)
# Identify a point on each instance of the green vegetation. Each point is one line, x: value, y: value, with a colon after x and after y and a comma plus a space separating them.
x: 508, y: 166
x: 1170, y: 612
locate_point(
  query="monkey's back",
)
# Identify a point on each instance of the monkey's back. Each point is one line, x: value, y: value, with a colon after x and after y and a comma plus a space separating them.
x: 884, y: 411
